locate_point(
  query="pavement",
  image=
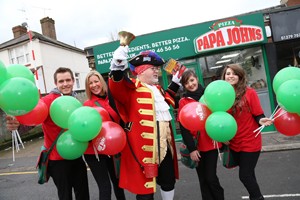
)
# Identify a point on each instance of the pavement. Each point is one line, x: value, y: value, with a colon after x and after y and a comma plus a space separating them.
x: 25, y: 159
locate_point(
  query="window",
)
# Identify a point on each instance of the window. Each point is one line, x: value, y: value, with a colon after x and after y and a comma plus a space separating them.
x: 19, y: 55
x: 77, y: 80
x: 251, y: 60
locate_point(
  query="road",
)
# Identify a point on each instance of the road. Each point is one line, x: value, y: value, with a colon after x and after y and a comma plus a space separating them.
x: 278, y: 174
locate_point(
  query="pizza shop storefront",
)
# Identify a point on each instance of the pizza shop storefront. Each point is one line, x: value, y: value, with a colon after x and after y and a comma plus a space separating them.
x: 207, y: 48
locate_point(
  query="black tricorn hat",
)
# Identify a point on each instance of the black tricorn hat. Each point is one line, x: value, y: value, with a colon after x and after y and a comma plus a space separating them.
x: 146, y: 57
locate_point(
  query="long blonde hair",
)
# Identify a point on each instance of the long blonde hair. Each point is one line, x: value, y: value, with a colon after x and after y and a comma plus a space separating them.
x: 87, y: 84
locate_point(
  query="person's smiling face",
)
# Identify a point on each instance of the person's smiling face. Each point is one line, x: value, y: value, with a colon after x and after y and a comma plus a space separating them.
x: 191, y: 84
x: 95, y: 85
x: 64, y: 83
x: 231, y: 77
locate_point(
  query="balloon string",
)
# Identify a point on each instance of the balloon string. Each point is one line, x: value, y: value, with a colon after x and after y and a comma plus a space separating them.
x: 16, y: 142
x: 280, y: 115
x: 272, y: 115
x: 96, y: 152
x: 13, y: 145
x: 219, y: 154
x: 18, y: 135
x: 259, y: 129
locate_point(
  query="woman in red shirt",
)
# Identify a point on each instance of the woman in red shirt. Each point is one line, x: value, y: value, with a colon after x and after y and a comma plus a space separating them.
x: 102, y: 167
x: 206, y: 152
x: 249, y: 115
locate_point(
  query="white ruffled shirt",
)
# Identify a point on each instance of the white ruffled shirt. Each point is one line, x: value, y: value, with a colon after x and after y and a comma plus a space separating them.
x: 161, y: 107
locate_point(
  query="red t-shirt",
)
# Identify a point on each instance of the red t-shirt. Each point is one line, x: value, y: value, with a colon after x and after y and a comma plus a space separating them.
x: 245, y: 139
x: 50, y: 129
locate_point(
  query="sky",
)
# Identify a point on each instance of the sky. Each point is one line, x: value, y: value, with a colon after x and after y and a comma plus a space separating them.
x: 93, y: 22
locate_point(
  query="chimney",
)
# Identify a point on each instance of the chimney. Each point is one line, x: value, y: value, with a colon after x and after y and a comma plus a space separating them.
x: 48, y: 28
x: 290, y: 2
x: 19, y: 31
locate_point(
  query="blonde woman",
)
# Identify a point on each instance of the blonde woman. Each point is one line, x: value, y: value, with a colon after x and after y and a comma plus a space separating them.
x: 103, y: 169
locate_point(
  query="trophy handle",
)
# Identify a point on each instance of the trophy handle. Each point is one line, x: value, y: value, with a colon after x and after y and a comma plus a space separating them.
x: 125, y: 38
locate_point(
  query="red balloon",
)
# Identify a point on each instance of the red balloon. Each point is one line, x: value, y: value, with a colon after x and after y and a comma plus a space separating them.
x: 193, y: 116
x: 104, y: 114
x: 288, y: 124
x: 111, y: 139
x: 36, y: 116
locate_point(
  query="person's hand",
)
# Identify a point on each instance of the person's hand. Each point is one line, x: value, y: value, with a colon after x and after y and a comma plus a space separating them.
x: 195, y: 156
x: 226, y: 143
x: 12, y: 123
x: 119, y: 60
x: 265, y: 121
x: 176, y: 79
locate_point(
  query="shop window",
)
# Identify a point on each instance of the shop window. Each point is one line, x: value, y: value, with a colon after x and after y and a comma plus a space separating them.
x: 250, y: 59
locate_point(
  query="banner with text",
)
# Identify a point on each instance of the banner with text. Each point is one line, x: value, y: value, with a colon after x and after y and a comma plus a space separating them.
x: 190, y: 41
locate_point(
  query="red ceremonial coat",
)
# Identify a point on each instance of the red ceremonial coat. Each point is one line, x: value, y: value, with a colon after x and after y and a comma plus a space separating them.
x: 135, y: 103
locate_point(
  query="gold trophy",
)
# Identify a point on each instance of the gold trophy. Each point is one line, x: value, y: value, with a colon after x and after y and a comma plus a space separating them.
x: 125, y: 37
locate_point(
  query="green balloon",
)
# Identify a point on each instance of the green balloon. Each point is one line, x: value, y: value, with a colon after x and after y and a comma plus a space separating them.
x: 219, y: 96
x: 85, y: 123
x: 285, y: 74
x: 69, y: 148
x: 3, y: 72
x: 17, y: 70
x: 18, y: 96
x: 288, y: 96
x: 220, y: 126
x: 61, y: 109
x: 202, y: 100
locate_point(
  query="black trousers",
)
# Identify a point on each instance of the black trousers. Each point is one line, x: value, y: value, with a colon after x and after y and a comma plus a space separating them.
x: 247, y: 162
x: 210, y: 186
x: 104, y: 172
x: 166, y: 177
x: 68, y: 175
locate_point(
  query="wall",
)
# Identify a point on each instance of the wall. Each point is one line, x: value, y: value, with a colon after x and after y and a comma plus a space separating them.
x: 4, y: 57
x: 54, y: 57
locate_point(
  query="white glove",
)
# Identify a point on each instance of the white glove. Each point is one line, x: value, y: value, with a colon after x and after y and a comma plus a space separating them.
x: 175, y: 78
x: 119, y: 60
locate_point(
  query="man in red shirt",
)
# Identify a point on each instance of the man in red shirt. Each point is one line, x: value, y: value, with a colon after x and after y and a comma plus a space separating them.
x: 66, y: 174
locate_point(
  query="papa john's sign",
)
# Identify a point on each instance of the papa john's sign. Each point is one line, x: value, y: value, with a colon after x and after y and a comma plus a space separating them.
x: 228, y: 33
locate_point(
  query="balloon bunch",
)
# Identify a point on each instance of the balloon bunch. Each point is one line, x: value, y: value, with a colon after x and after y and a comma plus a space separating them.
x: 286, y: 85
x: 18, y: 95
x: 18, y: 92
x: 210, y: 112
x: 84, y: 124
x: 219, y: 96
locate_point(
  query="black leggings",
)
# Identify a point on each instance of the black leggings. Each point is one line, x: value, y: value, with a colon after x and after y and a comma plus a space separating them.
x: 210, y: 186
x: 103, y: 172
x: 247, y: 162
